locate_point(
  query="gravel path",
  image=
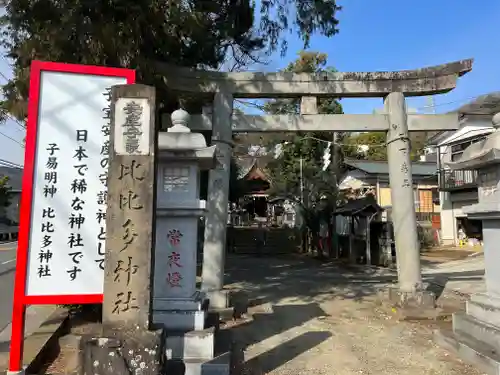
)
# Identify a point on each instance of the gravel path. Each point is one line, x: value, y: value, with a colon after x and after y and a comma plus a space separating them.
x: 320, y: 319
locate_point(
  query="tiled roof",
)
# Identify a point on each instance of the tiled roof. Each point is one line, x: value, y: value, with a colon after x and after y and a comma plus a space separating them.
x: 488, y: 104
x: 357, y: 206
x: 245, y: 164
x: 382, y: 167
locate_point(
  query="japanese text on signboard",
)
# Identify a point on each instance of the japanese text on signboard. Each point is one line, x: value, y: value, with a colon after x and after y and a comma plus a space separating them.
x: 67, y: 232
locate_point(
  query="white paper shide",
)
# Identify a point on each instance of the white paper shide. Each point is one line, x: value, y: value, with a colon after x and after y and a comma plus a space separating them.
x: 68, y: 212
x: 132, y: 117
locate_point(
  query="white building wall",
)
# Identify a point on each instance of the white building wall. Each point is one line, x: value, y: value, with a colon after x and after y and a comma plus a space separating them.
x: 448, y: 222
x: 452, y: 203
x: 470, y: 128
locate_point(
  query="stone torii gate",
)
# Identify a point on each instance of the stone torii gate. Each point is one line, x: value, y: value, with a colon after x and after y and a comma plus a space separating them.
x: 223, y: 88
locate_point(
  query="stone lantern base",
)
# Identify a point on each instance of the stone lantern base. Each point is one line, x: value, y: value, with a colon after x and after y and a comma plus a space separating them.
x: 476, y: 333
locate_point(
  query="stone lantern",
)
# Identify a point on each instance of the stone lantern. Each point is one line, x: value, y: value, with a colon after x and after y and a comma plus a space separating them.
x: 177, y: 304
x: 476, y: 332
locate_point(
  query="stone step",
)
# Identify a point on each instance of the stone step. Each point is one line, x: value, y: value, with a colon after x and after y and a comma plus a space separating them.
x: 220, y: 365
x: 483, y: 312
x: 225, y: 314
x: 192, y: 344
x: 225, y: 356
x: 468, y: 325
x: 180, y: 320
x: 470, y: 350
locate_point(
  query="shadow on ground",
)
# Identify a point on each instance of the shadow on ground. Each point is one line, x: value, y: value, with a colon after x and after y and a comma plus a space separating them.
x: 295, y: 291
x: 273, y: 278
x: 276, y: 330
x: 278, y: 356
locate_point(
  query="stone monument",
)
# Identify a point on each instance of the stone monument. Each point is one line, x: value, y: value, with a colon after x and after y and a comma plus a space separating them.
x: 476, y: 332
x: 178, y: 305
x: 127, y: 342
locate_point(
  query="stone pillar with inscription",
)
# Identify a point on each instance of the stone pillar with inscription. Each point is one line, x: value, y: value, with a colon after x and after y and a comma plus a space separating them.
x: 178, y: 305
x: 476, y: 332
x: 127, y: 342
x: 410, y: 291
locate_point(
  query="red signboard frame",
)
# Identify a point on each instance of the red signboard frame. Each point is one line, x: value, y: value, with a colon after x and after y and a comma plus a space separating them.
x: 20, y: 299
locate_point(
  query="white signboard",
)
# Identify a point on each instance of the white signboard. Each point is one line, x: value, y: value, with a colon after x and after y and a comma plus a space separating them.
x: 132, y: 126
x: 67, y: 231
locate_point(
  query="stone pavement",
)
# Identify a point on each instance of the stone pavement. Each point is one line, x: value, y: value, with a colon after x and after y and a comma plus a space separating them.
x: 315, y: 318
x: 41, y: 323
x: 464, y: 276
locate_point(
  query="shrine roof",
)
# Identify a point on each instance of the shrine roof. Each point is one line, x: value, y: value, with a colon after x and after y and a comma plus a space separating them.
x: 365, y: 205
x: 382, y: 167
x: 246, y: 164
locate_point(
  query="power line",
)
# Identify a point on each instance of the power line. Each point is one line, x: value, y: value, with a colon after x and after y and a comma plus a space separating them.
x: 12, y: 139
x: 448, y: 103
x: 4, y: 77
x: 21, y: 125
x: 261, y: 107
x: 7, y: 163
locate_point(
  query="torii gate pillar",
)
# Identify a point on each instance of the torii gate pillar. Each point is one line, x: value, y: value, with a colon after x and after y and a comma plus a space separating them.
x: 214, y: 248
x: 403, y: 208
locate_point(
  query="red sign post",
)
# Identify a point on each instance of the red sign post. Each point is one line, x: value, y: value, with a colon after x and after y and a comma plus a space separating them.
x: 60, y: 250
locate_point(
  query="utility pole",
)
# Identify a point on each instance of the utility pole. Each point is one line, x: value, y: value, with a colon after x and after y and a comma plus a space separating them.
x: 432, y: 104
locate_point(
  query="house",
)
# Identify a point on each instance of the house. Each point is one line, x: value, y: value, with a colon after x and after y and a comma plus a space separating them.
x: 458, y: 188
x: 364, y: 176
x: 11, y: 212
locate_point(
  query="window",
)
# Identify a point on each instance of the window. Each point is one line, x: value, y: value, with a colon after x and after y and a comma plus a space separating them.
x: 426, y: 203
x: 176, y: 179
x: 458, y: 149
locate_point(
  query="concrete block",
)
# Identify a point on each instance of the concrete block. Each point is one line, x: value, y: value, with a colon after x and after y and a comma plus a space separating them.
x: 470, y: 350
x: 180, y: 320
x: 418, y: 299
x: 180, y: 304
x: 189, y: 345
x: 225, y: 315
x: 219, y: 299
x: 483, y: 310
x: 21, y: 372
x: 483, y: 332
x: 486, y: 299
x: 220, y: 365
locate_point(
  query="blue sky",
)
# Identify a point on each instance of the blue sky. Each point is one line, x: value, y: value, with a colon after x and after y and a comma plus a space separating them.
x: 388, y: 35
